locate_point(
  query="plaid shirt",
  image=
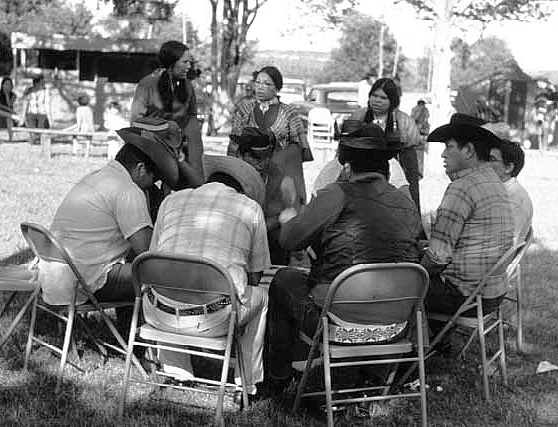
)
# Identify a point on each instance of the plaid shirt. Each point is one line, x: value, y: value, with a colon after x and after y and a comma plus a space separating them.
x: 215, y: 222
x: 473, y: 229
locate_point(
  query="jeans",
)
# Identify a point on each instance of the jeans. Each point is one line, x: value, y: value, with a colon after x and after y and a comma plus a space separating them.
x: 291, y: 308
x: 251, y: 318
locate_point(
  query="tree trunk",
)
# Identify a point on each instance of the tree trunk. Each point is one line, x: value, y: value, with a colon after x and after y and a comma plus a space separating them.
x: 381, y: 50
x: 214, y: 67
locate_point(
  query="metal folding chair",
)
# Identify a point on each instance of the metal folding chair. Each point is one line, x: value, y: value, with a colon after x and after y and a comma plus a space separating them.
x: 515, y: 294
x: 47, y: 248
x: 15, y: 279
x: 364, y: 295
x: 479, y: 325
x: 189, y: 280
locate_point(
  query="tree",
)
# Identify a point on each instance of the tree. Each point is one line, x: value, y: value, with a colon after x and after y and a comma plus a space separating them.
x: 478, y: 60
x: 358, y: 50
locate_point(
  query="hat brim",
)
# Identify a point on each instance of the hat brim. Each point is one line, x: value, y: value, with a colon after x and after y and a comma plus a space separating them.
x: 248, y: 177
x: 463, y: 131
x: 166, y: 164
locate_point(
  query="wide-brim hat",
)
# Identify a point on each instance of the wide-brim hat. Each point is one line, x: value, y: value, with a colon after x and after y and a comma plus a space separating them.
x: 160, y: 154
x: 248, y: 177
x: 167, y: 131
x: 367, y: 137
x: 466, y: 118
x: 463, y: 131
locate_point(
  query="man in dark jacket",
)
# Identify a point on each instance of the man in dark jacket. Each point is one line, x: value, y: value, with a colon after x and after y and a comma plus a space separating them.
x: 363, y: 220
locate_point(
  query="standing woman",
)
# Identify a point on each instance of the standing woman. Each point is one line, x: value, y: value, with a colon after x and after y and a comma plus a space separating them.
x: 168, y: 93
x: 282, y: 172
x: 382, y: 110
x: 38, y: 109
x: 7, y: 100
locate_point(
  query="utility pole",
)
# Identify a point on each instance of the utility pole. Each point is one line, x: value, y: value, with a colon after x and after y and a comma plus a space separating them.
x: 184, y: 19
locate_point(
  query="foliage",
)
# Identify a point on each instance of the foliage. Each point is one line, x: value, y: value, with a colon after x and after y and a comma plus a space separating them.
x: 482, y: 58
x: 333, y: 12
x: 358, y: 50
x: 485, y: 11
x: 152, y: 10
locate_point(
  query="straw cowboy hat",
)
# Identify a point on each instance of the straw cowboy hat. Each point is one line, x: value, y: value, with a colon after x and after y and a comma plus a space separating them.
x: 248, y: 177
x: 159, y: 153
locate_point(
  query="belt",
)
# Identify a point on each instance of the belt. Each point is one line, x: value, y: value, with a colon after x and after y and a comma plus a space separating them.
x: 193, y: 311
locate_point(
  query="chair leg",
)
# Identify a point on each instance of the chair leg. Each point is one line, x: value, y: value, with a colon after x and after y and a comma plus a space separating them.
x: 31, y: 333
x: 219, y: 420
x: 18, y: 317
x: 502, y: 347
x: 7, y: 303
x: 129, y: 353
x: 65, y: 346
x: 422, y: 372
x: 482, y: 342
x: 242, y: 370
x: 327, y: 379
x: 306, y: 373
x: 519, y: 305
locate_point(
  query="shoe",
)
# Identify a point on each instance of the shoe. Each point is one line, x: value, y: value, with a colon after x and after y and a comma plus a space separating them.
x: 251, y: 399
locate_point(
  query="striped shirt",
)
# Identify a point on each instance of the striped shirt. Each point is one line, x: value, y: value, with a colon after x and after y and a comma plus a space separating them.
x: 217, y: 223
x: 474, y: 227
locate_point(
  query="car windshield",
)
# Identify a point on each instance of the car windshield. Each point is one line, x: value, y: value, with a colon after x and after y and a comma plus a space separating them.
x: 293, y: 88
x: 348, y: 97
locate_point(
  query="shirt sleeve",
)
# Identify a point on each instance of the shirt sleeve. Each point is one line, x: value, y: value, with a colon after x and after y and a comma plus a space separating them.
x: 456, y: 207
x: 159, y: 226
x: 302, y: 230
x: 131, y: 212
x: 192, y: 101
x: 140, y: 101
x: 259, y: 258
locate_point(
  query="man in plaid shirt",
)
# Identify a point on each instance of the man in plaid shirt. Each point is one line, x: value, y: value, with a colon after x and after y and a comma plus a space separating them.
x: 474, y: 223
x: 222, y: 221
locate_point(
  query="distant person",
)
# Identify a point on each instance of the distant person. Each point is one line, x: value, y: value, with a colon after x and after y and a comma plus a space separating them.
x: 7, y: 100
x: 507, y: 160
x: 420, y: 115
x: 114, y: 120
x: 37, y: 110
x: 364, y: 88
x: 168, y: 93
x: 84, y: 123
x: 382, y: 110
x: 270, y: 136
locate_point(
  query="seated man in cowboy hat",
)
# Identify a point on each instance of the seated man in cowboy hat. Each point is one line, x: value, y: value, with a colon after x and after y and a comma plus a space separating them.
x: 104, y: 219
x: 473, y: 227
x: 362, y: 220
x: 222, y: 221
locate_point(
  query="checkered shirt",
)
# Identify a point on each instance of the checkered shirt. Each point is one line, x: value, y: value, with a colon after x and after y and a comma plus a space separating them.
x: 217, y: 223
x: 474, y: 227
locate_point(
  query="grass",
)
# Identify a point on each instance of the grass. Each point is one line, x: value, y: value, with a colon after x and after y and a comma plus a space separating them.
x: 31, y: 188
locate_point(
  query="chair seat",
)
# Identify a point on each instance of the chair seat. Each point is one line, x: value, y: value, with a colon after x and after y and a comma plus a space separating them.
x: 469, y: 322
x: 18, y: 278
x: 148, y: 332
x: 403, y: 346
x: 90, y: 307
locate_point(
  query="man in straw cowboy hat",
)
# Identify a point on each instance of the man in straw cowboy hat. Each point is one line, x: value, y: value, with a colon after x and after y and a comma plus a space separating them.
x: 222, y: 221
x: 364, y: 219
x: 104, y: 219
x: 474, y: 223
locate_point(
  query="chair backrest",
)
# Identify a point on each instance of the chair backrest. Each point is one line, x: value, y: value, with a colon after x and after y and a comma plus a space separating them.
x: 520, y: 252
x: 382, y: 293
x: 183, y: 278
x: 46, y: 247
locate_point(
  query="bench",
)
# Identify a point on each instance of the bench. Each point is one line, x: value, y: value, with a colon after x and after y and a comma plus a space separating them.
x: 46, y: 135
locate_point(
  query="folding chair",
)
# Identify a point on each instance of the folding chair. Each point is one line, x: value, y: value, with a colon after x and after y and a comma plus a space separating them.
x: 47, y: 248
x: 514, y: 276
x: 481, y: 324
x: 188, y: 280
x: 361, y: 296
x: 16, y: 279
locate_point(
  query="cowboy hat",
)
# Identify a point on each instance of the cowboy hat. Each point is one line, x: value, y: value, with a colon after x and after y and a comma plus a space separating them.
x: 248, y: 177
x: 160, y: 154
x: 463, y: 131
x: 167, y: 131
x: 367, y: 137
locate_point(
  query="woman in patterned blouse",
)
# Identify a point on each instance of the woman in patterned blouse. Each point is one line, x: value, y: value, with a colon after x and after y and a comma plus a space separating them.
x: 282, y: 173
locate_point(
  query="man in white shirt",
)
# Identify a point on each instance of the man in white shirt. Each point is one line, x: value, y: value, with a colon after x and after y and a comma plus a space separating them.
x: 507, y: 161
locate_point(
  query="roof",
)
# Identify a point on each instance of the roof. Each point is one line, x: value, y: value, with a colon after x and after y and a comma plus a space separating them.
x: 95, y: 44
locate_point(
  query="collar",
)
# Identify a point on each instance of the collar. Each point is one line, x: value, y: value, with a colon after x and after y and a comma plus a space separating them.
x: 368, y: 177
x: 264, y: 105
x: 465, y: 172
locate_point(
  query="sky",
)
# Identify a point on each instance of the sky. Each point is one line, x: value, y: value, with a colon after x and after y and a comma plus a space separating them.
x: 276, y: 20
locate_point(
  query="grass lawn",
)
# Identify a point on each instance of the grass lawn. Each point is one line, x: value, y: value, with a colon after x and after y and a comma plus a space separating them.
x: 31, y: 188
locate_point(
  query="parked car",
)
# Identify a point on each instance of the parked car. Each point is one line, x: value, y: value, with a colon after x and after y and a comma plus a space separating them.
x: 340, y: 98
x: 294, y: 90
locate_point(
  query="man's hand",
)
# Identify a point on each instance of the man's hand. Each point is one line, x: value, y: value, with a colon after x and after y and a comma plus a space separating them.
x: 286, y: 215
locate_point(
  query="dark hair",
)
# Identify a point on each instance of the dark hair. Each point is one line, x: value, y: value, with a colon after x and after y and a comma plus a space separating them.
x: 274, y: 74
x: 83, y: 99
x: 170, y: 52
x: 225, y: 178
x: 482, y: 149
x: 38, y: 79
x: 390, y: 88
x: 512, y: 153
x: 363, y: 160
x: 3, y: 99
x: 130, y: 155
x: 421, y: 102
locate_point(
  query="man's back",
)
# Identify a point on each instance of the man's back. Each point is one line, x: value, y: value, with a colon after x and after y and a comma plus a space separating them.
x: 217, y: 223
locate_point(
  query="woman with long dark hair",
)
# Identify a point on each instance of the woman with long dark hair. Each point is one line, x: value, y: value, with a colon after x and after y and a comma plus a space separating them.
x: 7, y: 100
x: 168, y: 93
x: 399, y: 128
